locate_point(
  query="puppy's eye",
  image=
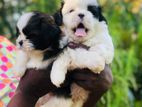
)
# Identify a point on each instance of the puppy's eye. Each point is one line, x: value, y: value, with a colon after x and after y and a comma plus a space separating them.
x: 71, y: 11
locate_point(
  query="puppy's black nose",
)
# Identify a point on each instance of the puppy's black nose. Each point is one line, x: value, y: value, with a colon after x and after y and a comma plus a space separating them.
x: 21, y: 43
x: 81, y: 15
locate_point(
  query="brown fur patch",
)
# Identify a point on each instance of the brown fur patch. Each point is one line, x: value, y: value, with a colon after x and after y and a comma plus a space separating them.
x: 78, y: 93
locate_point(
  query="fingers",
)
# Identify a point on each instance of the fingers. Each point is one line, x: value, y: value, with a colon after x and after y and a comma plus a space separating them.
x: 86, y: 74
x: 88, y: 85
x: 90, y: 81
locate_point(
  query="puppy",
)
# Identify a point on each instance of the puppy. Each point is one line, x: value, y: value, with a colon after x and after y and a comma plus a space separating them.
x: 84, y: 26
x: 38, y: 45
x: 37, y: 42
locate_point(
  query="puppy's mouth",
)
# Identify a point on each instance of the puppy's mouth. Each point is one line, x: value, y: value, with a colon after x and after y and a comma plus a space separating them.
x: 80, y: 30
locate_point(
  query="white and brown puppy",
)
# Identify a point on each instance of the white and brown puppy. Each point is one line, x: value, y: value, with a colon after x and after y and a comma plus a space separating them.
x: 83, y: 24
x: 37, y: 42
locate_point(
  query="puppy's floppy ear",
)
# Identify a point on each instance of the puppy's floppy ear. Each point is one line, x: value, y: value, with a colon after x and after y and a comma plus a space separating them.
x: 58, y: 17
x: 51, y: 33
x: 97, y: 12
x: 101, y: 17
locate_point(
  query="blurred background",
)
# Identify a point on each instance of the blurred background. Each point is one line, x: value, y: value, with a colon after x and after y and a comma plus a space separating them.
x: 125, y: 24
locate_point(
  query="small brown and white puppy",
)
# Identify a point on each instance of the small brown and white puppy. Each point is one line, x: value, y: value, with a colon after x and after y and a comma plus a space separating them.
x: 83, y: 24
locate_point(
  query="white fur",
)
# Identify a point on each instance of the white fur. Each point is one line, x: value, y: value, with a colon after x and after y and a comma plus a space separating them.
x: 71, y: 20
x: 62, y: 102
x: 20, y: 65
x: 58, y: 102
x: 24, y: 20
x: 21, y: 24
x: 31, y: 59
x: 77, y: 2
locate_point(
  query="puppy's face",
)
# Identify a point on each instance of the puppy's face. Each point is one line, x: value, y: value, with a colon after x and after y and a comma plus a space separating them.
x: 37, y: 31
x: 81, y: 18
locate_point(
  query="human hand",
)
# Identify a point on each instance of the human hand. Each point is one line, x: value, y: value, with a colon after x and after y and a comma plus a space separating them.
x: 97, y: 84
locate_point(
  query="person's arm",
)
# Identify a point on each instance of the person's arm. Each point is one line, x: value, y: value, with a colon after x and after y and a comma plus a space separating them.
x: 36, y: 83
x: 32, y: 86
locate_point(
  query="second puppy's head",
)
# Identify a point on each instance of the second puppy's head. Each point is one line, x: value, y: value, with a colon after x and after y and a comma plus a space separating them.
x: 37, y: 31
x: 81, y: 18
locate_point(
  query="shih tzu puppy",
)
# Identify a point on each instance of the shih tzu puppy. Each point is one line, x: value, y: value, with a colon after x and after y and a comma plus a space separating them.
x: 89, y: 45
x: 37, y: 42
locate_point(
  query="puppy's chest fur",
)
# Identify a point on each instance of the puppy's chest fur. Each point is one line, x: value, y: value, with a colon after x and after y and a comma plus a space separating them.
x: 36, y: 60
x: 74, y: 53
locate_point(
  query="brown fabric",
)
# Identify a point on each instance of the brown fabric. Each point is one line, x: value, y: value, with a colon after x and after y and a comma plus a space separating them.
x: 29, y: 90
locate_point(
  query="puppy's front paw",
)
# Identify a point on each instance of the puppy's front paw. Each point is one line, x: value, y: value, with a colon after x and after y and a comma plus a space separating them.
x: 97, y: 68
x: 57, y: 77
x: 19, y: 71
